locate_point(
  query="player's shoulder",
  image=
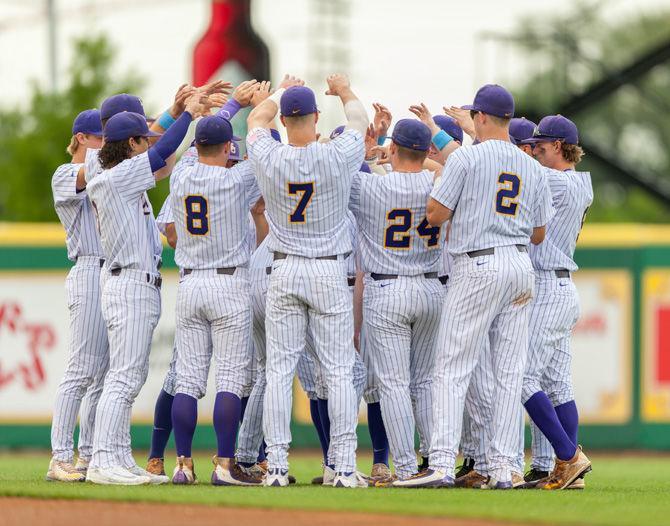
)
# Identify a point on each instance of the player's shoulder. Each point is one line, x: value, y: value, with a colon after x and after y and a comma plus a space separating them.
x: 66, y: 170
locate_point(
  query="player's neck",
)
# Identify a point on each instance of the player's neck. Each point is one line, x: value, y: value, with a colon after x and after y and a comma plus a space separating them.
x: 406, y: 167
x: 562, y: 165
x: 213, y: 161
x: 301, y: 137
x: 79, y: 156
x: 494, y: 134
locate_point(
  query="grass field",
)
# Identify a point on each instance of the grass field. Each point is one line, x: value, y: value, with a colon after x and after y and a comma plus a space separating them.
x: 621, y: 490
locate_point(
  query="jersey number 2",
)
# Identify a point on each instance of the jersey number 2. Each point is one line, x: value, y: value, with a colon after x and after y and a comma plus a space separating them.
x: 197, y: 218
x: 306, y: 191
x: 507, y: 198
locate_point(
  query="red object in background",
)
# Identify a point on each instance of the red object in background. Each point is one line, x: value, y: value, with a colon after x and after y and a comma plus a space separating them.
x: 663, y: 345
x: 230, y: 39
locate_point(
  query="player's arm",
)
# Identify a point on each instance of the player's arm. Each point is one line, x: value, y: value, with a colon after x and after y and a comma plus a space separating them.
x: 443, y: 142
x: 446, y: 191
x: 260, y: 222
x: 266, y: 111
x: 358, y: 308
x: 538, y: 235
x: 436, y: 213
x: 543, y: 209
x: 463, y: 119
x: 171, y: 235
x: 354, y: 111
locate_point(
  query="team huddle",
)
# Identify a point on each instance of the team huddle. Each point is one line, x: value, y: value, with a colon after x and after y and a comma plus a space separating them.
x: 429, y: 278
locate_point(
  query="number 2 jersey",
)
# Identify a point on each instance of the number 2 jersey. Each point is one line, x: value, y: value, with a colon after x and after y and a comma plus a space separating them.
x: 306, y: 191
x: 394, y: 236
x: 498, y: 195
x: 571, y: 196
x: 210, y: 207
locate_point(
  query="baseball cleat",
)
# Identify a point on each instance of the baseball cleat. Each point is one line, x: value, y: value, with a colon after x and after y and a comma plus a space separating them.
x: 82, y: 465
x: 492, y: 483
x: 567, y: 471
x: 64, y: 472
x: 465, y: 468
x: 431, y: 478
x: 184, y: 472
x: 328, y: 476
x: 116, y: 476
x: 156, y: 466
x: 517, y: 480
x: 227, y: 472
x: 532, y: 478
x: 577, y: 484
x: 380, y: 476
x: 472, y: 480
x: 153, y: 479
x: 350, y: 479
x: 276, y: 477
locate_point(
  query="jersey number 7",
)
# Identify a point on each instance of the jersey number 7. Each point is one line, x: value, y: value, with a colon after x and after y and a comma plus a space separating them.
x: 305, y: 191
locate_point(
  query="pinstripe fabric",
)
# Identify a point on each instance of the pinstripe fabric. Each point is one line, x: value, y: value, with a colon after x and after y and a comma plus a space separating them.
x: 89, y: 406
x: 75, y: 213
x: 488, y: 298
x: 92, y: 166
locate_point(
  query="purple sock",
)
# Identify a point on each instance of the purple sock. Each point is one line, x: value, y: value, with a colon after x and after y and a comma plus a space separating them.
x: 261, y: 452
x: 380, y: 443
x: 542, y: 412
x: 184, y: 420
x: 325, y: 426
x: 162, y: 425
x: 567, y: 414
x: 227, y: 408
x: 316, y: 420
x: 243, y: 407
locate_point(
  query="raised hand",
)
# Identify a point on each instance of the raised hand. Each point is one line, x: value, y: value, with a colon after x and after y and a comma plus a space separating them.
x: 370, y: 141
x: 382, y: 153
x: 179, y: 104
x: 245, y: 91
x: 217, y: 86
x: 196, y: 104
x: 289, y: 81
x: 337, y: 83
x: 424, y: 115
x: 463, y: 119
x: 262, y: 93
x: 382, y: 119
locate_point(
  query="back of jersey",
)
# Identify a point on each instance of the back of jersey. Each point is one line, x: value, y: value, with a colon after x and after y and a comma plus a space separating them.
x: 306, y: 191
x: 210, y: 205
x: 571, y: 196
x: 394, y: 234
x: 498, y: 194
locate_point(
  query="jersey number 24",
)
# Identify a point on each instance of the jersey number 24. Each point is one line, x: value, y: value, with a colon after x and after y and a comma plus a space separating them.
x: 397, y: 234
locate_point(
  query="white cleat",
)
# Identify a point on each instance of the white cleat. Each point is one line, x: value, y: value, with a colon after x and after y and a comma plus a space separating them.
x: 276, y: 477
x: 64, y: 472
x: 328, y: 476
x: 117, y: 476
x: 82, y: 466
x: 353, y: 479
x: 154, y: 479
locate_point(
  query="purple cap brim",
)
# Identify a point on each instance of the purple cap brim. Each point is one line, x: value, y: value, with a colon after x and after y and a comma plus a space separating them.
x: 538, y: 139
x: 152, y: 134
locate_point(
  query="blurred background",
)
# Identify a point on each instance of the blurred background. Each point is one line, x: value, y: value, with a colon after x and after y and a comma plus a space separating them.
x: 604, y: 64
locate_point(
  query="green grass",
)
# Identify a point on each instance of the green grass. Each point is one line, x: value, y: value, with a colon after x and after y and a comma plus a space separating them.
x: 621, y: 490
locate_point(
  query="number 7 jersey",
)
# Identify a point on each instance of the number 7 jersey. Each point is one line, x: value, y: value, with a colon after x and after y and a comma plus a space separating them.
x: 210, y: 206
x: 394, y: 234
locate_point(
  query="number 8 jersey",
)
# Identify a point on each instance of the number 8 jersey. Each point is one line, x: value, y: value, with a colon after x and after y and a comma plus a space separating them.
x: 498, y: 195
x: 210, y: 206
x: 394, y: 235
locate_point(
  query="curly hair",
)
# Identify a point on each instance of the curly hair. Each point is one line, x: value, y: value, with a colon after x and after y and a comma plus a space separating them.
x: 572, y: 153
x: 113, y: 153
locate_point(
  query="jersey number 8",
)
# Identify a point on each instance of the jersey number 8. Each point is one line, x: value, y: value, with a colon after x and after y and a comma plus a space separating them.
x: 397, y: 236
x: 507, y: 198
x: 197, y: 218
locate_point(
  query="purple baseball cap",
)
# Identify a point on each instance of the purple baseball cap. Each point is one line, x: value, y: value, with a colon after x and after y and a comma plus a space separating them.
x: 521, y: 129
x: 234, y: 152
x: 121, y: 102
x: 493, y: 100
x: 554, y: 128
x: 336, y: 132
x: 449, y: 125
x: 127, y: 124
x: 88, y: 122
x: 275, y: 134
x: 412, y: 134
x: 214, y: 130
x: 297, y: 101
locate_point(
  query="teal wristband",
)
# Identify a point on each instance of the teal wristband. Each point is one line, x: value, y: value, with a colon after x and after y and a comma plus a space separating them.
x: 165, y: 120
x: 381, y: 140
x: 441, y: 139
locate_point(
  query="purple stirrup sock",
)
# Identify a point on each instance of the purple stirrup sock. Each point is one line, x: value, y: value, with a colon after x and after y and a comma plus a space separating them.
x: 162, y: 425
x: 316, y: 420
x: 567, y: 414
x: 227, y: 408
x: 184, y: 420
x: 325, y: 427
x: 261, y: 452
x: 542, y: 412
x: 380, y: 443
x: 243, y: 408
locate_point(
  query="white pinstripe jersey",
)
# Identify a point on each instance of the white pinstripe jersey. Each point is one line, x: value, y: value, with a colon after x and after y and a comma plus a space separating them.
x: 353, y: 261
x: 261, y: 257
x: 117, y: 195
x: 306, y: 191
x: 165, y: 216
x: 92, y: 164
x: 75, y: 213
x: 394, y: 235
x: 210, y: 205
x: 571, y: 196
x: 498, y: 195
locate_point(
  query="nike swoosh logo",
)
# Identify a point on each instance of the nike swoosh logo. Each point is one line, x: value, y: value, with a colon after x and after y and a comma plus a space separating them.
x: 384, y: 285
x: 563, y: 284
x: 480, y: 263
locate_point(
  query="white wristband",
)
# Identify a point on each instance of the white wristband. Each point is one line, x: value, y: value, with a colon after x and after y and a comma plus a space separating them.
x: 276, y: 96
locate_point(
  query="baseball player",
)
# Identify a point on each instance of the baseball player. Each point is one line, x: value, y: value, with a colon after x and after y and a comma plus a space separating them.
x: 402, y: 298
x: 493, y: 218
x: 547, y: 385
x: 131, y: 293
x: 306, y: 188
x: 89, y: 349
x: 211, y: 204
